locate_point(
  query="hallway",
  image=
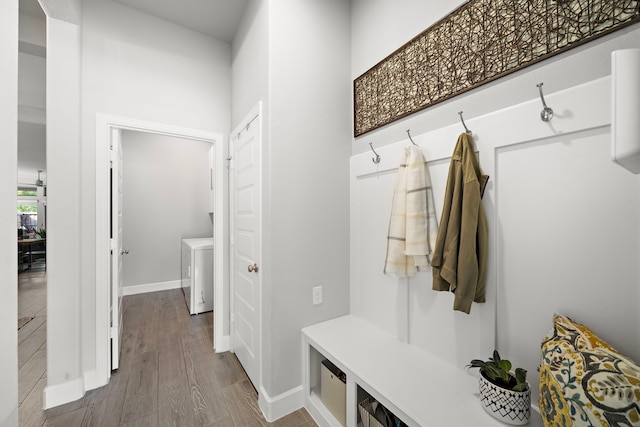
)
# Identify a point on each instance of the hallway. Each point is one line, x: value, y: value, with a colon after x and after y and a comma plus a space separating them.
x: 169, y: 374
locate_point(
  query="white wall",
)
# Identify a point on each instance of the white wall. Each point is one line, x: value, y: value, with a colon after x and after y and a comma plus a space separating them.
x: 64, y: 369
x: 140, y: 67
x: 379, y: 27
x: 8, y: 185
x: 31, y: 99
x: 31, y: 81
x: 165, y: 199
x: 250, y: 61
x: 566, y: 237
x: 305, y: 171
x: 308, y: 165
x: 569, y: 243
x: 32, y: 152
x: 546, y: 222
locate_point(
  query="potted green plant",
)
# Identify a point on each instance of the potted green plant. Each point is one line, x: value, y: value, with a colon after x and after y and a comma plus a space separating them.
x: 505, y: 395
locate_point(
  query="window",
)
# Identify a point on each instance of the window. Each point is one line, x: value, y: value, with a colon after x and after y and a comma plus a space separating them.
x: 27, y: 212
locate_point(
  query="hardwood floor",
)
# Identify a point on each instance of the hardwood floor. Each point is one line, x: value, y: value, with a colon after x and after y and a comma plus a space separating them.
x: 32, y: 344
x: 169, y: 374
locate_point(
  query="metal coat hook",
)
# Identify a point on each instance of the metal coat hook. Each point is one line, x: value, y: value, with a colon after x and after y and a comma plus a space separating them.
x: 411, y: 139
x: 547, y: 113
x: 466, y: 129
x: 375, y: 159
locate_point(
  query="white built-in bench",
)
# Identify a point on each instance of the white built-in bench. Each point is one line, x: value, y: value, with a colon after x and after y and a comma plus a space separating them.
x: 415, y: 385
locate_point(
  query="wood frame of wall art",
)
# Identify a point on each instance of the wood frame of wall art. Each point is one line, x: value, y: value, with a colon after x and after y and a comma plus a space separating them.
x: 478, y: 42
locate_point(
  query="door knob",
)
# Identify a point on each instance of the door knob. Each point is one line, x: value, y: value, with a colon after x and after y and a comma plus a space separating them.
x: 124, y: 252
x: 253, y: 268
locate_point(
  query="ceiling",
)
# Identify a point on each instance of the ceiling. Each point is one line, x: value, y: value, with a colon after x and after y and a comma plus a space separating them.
x: 215, y: 18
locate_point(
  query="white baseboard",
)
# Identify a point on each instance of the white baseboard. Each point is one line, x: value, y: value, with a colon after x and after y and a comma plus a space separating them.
x: 60, y: 394
x: 274, y: 408
x: 224, y: 345
x: 151, y: 287
x: 93, y: 380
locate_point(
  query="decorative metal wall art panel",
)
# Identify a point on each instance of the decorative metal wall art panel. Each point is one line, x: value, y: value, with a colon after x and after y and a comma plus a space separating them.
x: 480, y: 41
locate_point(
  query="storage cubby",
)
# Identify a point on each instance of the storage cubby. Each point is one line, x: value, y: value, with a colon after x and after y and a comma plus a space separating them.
x: 361, y: 397
x: 314, y: 387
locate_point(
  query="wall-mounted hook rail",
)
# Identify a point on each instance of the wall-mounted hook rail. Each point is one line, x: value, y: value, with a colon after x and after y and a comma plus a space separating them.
x: 375, y: 159
x: 411, y: 139
x: 547, y: 113
x: 466, y: 129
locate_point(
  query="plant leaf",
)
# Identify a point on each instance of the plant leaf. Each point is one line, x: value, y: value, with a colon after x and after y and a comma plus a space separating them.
x: 492, y: 372
x: 506, y: 365
x: 520, y: 387
x: 476, y: 363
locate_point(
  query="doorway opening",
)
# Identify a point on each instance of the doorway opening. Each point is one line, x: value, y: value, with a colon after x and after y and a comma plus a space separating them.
x: 31, y: 204
x: 107, y: 127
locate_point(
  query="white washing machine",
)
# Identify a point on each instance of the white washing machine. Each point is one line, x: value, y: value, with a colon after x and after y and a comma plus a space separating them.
x: 197, y: 274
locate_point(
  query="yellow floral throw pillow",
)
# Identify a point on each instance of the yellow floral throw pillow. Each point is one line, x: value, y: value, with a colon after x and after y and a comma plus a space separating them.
x: 584, y: 381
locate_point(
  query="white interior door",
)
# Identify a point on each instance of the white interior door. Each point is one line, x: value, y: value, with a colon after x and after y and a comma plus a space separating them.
x: 116, y: 247
x: 245, y: 247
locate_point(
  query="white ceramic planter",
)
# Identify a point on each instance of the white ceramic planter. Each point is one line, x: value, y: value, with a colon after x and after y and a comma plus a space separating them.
x: 511, y: 407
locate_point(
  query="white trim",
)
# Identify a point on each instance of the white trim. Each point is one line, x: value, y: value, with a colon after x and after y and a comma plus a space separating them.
x: 151, y: 287
x: 91, y: 380
x: 283, y: 404
x: 104, y: 123
x: 55, y: 395
x: 221, y: 254
x: 223, y: 343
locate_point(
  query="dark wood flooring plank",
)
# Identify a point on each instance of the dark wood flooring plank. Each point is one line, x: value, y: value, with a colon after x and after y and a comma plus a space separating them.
x: 28, y: 347
x: 206, y: 398
x: 171, y: 363
x: 32, y: 293
x: 108, y: 410
x: 225, y: 422
x: 227, y: 369
x: 195, y: 341
x: 68, y: 419
x: 30, y: 411
x: 243, y: 404
x: 30, y: 373
x: 141, y: 396
x: 28, y: 329
x: 95, y: 402
x: 174, y: 404
x: 299, y: 418
x: 148, y: 421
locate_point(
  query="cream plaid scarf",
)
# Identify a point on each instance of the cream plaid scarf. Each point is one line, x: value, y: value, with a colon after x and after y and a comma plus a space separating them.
x: 413, y: 225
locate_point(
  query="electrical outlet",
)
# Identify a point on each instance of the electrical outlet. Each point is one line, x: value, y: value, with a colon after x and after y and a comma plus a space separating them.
x: 317, y: 295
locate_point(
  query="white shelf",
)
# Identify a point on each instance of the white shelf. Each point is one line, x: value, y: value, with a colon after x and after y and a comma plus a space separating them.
x: 418, y: 387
